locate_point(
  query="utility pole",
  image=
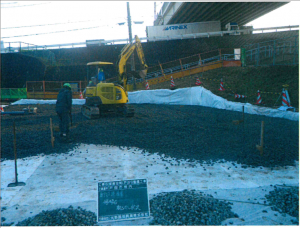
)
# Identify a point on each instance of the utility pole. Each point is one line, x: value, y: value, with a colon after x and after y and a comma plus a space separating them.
x: 130, y: 37
x: 154, y: 10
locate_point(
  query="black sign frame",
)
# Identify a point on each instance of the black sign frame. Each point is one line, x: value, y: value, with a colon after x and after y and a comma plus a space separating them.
x: 123, y: 200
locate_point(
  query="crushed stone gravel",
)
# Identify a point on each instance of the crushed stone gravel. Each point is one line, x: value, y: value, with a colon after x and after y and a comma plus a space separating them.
x: 173, y: 208
x: 192, y: 133
x: 61, y: 217
x: 285, y: 200
x: 188, y: 208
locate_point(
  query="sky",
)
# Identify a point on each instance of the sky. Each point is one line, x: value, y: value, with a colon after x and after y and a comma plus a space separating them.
x: 60, y: 22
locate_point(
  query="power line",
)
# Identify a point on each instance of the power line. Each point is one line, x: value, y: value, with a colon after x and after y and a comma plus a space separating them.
x: 4, y: 3
x: 24, y: 5
x: 36, y: 34
x: 53, y: 32
x: 27, y: 26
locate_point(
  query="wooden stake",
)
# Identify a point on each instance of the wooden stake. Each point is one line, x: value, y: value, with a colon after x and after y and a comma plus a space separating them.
x: 51, y: 128
x: 243, y: 113
x: 260, y: 147
x: 15, y: 152
x: 236, y: 122
x: 16, y: 170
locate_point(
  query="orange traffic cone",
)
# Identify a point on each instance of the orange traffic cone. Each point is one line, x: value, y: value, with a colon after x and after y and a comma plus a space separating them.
x: 198, y: 82
x: 80, y: 96
x: 221, y: 86
x: 147, y: 85
x: 258, y: 101
x: 172, y: 82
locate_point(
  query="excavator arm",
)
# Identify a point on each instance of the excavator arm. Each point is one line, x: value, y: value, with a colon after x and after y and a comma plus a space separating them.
x: 141, y: 56
x: 125, y: 55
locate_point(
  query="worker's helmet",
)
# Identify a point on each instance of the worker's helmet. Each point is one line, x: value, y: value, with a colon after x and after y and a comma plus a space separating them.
x: 67, y: 85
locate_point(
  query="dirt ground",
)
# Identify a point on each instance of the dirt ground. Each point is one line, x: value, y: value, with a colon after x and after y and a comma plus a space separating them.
x: 189, y: 132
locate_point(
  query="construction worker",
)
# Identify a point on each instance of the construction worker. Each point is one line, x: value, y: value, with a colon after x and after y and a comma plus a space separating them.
x: 101, y: 76
x: 64, y: 109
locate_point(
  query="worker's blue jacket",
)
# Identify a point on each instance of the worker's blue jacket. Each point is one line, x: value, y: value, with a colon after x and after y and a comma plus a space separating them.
x: 101, y: 76
x: 64, y: 101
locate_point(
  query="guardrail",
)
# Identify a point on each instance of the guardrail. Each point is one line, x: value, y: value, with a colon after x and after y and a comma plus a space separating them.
x: 175, y: 69
x: 274, y: 52
x: 26, y: 46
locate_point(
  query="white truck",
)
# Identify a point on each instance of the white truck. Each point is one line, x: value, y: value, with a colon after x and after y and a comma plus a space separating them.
x: 174, y: 31
x: 232, y: 26
x: 171, y: 31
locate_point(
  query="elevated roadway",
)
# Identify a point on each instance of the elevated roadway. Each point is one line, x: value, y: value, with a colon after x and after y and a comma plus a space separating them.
x: 188, y: 12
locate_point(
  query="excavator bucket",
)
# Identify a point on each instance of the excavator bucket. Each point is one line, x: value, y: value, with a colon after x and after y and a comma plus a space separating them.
x: 142, y: 74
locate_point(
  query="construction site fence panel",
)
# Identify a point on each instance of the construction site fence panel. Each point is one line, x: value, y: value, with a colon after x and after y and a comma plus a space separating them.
x: 12, y: 94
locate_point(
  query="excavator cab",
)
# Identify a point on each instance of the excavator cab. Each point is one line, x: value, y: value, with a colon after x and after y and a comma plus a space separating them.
x: 102, y: 97
x: 98, y: 71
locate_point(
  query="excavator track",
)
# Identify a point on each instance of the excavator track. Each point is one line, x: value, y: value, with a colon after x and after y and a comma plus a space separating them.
x: 90, y: 112
x: 95, y: 112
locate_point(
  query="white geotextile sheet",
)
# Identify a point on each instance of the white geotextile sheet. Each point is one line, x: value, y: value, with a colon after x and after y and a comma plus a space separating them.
x: 203, y: 97
x: 185, y: 96
x: 60, y: 180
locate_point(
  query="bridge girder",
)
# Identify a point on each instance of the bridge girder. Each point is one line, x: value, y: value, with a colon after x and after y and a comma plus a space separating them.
x: 240, y: 12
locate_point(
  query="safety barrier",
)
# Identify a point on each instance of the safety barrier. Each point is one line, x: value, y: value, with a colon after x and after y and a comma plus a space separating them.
x: 186, y: 72
x: 186, y: 66
x: 13, y: 94
x: 176, y: 75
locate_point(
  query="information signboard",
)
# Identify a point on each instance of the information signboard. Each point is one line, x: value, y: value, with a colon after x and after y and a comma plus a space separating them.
x: 123, y: 200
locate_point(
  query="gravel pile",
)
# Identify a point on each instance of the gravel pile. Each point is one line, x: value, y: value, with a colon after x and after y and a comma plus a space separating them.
x: 285, y: 200
x: 173, y: 208
x: 192, y: 133
x: 188, y: 208
x: 62, y: 217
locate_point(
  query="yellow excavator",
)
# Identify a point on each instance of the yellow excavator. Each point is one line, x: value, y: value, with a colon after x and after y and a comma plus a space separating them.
x: 102, y: 97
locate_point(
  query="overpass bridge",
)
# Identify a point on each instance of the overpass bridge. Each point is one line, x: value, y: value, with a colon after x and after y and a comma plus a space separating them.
x: 225, y: 12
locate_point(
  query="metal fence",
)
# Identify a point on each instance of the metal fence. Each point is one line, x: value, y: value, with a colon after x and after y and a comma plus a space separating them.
x: 275, y: 52
x: 189, y: 62
x: 54, y: 86
x: 50, y: 89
